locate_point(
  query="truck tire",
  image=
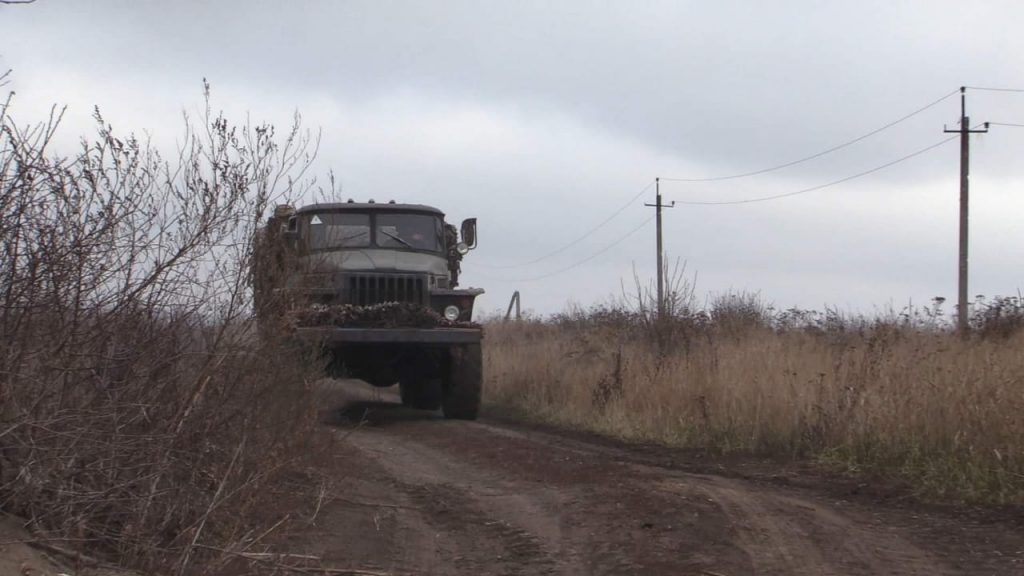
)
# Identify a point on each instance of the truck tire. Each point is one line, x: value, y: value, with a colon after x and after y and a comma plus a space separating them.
x: 464, y: 383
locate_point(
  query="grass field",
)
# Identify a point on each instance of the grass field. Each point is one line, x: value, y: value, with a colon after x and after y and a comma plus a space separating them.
x: 898, y: 397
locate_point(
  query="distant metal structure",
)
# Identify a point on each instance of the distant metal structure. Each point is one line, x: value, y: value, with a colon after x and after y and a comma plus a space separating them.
x: 513, y: 302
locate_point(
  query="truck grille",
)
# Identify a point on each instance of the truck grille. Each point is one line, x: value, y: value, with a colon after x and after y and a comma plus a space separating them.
x: 367, y: 289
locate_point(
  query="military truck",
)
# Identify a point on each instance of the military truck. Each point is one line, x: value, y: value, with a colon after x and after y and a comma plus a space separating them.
x: 381, y: 280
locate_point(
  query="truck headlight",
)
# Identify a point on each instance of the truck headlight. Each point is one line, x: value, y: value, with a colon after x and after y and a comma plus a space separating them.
x: 462, y: 248
x: 451, y: 313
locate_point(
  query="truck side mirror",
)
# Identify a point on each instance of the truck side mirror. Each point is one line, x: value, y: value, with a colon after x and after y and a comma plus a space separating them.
x: 291, y: 232
x: 469, y: 232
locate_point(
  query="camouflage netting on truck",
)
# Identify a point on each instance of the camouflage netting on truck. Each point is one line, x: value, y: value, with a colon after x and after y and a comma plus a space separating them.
x: 386, y: 315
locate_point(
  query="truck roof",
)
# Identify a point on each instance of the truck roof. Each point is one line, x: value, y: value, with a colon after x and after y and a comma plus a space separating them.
x: 367, y: 206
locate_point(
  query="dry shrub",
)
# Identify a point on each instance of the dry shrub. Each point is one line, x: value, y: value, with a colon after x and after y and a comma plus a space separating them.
x: 142, y: 419
x: 738, y: 313
x: 1001, y: 317
x: 922, y: 404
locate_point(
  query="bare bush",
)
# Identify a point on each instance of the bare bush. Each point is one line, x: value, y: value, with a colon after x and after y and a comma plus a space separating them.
x: 141, y: 417
x: 737, y: 313
x: 1001, y: 317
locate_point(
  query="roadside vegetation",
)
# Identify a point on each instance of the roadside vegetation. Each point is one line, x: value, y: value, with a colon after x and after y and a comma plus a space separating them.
x: 900, y: 395
x: 142, y: 420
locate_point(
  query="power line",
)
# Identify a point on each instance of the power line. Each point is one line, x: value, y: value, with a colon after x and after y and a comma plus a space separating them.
x: 1006, y: 124
x: 601, y: 224
x: 819, y: 154
x: 820, y: 186
x: 620, y: 210
x: 984, y: 89
x: 579, y: 263
x: 577, y: 240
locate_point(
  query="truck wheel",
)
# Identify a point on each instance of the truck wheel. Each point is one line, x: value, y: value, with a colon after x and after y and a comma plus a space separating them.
x: 420, y: 393
x: 462, y: 393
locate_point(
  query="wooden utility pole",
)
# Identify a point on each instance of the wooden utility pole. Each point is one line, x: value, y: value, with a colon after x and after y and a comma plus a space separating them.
x: 660, y: 253
x: 965, y: 160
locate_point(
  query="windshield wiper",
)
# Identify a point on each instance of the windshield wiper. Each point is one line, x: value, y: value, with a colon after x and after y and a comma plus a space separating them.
x: 354, y: 236
x: 390, y: 235
x: 340, y: 241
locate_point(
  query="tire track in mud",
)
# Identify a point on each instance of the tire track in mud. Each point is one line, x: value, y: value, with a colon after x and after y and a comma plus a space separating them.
x: 789, y: 529
x: 781, y: 533
x: 498, y: 498
x: 785, y: 535
x: 494, y: 527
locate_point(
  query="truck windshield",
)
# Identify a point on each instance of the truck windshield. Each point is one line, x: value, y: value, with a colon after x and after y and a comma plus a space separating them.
x: 334, y: 230
x: 410, y: 231
x: 338, y: 230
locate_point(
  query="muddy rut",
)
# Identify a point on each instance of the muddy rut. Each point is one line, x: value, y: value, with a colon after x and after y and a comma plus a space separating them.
x: 420, y: 495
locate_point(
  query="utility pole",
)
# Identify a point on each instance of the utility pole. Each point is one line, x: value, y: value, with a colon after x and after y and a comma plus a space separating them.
x: 965, y: 160
x: 660, y: 257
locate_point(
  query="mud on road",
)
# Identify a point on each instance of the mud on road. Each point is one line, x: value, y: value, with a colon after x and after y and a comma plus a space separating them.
x: 420, y: 495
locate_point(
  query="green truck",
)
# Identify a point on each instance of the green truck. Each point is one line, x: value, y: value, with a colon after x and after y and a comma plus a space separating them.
x: 375, y: 286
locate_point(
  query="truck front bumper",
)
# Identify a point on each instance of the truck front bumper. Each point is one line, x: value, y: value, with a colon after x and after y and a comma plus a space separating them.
x: 438, y: 336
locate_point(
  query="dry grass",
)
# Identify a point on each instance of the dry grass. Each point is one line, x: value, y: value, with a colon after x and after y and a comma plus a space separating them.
x: 919, y: 403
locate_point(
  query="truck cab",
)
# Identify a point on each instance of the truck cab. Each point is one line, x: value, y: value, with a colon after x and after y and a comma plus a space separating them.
x: 368, y: 253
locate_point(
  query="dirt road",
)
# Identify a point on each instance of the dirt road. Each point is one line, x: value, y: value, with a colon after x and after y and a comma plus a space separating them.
x: 421, y: 495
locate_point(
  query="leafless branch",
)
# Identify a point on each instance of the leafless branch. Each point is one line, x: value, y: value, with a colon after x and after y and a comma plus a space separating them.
x: 138, y: 407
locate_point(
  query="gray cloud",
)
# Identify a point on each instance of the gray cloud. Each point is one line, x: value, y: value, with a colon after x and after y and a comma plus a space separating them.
x: 542, y: 118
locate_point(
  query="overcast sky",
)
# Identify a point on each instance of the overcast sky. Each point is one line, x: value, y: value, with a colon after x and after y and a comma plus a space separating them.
x: 543, y: 119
